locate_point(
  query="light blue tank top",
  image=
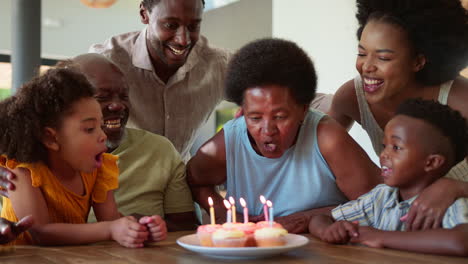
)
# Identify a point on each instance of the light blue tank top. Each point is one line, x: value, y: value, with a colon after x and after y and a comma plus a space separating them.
x: 297, y: 181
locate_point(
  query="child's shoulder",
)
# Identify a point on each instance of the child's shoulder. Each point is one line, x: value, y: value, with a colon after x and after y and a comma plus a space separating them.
x: 383, y: 190
x: 379, y: 195
x: 456, y: 214
x: 460, y: 204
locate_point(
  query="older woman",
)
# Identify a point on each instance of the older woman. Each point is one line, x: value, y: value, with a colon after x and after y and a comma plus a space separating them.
x: 301, y: 160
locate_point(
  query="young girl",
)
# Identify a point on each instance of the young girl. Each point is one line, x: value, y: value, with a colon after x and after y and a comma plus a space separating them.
x: 51, y: 138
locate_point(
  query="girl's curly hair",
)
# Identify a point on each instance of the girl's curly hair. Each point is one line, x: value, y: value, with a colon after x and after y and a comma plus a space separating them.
x: 42, y: 102
x: 438, y: 29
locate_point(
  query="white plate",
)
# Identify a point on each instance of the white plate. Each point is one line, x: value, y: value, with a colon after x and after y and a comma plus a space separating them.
x: 191, y: 242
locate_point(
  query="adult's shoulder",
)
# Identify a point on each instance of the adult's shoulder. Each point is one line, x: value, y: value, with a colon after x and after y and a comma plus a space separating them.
x: 213, y: 53
x: 459, y: 95
x: 345, y: 107
x: 329, y: 128
x: 331, y: 135
x: 118, y: 45
x: 149, y: 142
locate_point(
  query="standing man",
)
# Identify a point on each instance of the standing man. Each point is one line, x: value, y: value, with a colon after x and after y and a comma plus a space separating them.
x: 175, y: 77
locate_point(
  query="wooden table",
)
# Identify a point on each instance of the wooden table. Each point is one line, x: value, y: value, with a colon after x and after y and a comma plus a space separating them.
x: 169, y: 252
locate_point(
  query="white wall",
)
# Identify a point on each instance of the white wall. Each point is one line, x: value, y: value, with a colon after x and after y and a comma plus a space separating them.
x: 236, y: 24
x: 326, y: 30
x: 79, y: 26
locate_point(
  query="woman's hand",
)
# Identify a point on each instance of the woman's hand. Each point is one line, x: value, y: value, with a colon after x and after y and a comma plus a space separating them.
x: 428, y: 210
x: 156, y: 227
x: 128, y: 232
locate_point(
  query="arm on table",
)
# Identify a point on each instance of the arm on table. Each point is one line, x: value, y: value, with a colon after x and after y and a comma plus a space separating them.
x: 436, y: 241
x: 206, y: 170
x: 299, y: 222
x: 130, y: 231
x: 28, y: 200
x: 325, y: 228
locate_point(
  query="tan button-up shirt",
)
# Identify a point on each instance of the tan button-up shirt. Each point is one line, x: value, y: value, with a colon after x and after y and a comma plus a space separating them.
x: 176, y: 109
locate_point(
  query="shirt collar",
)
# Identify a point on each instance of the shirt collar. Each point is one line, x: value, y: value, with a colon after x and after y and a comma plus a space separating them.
x: 140, y: 55
x: 394, y: 200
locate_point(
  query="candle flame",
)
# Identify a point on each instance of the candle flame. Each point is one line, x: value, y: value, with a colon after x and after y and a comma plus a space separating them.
x: 262, y: 199
x: 269, y: 203
x: 242, y: 202
x: 231, y: 200
x: 227, y: 204
x: 210, y: 201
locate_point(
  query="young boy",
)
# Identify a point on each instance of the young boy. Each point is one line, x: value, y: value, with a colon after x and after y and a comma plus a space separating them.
x: 422, y: 142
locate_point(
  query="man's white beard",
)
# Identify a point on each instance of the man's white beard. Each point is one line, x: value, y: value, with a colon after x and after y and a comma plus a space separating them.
x: 115, y: 144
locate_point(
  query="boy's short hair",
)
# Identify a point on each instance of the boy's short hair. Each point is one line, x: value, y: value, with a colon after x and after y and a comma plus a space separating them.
x: 448, y: 121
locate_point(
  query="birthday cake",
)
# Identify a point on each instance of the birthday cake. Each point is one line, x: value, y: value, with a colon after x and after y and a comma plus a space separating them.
x: 232, y: 234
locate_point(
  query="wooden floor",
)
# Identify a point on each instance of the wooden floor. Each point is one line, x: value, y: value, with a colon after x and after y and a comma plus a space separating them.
x: 169, y: 252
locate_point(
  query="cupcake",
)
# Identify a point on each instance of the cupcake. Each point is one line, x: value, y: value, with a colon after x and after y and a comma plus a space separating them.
x: 232, y: 225
x: 204, y: 234
x: 263, y: 224
x: 249, y: 230
x: 270, y: 236
x: 229, y: 238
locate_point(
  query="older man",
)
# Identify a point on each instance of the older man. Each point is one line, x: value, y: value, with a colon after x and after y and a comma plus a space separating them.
x: 152, y: 174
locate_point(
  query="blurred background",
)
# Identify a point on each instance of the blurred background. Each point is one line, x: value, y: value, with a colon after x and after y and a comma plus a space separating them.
x: 324, y: 29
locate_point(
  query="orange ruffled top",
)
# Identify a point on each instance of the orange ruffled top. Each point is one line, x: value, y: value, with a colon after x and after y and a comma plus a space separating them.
x: 64, y: 206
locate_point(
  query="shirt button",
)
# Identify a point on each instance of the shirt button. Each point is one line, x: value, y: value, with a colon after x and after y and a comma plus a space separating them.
x: 167, y: 116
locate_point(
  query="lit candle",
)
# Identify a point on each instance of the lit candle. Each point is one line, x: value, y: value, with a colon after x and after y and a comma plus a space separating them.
x: 228, y: 207
x: 246, y: 211
x: 270, y: 206
x: 265, y: 211
x: 212, y: 214
x: 233, y: 208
